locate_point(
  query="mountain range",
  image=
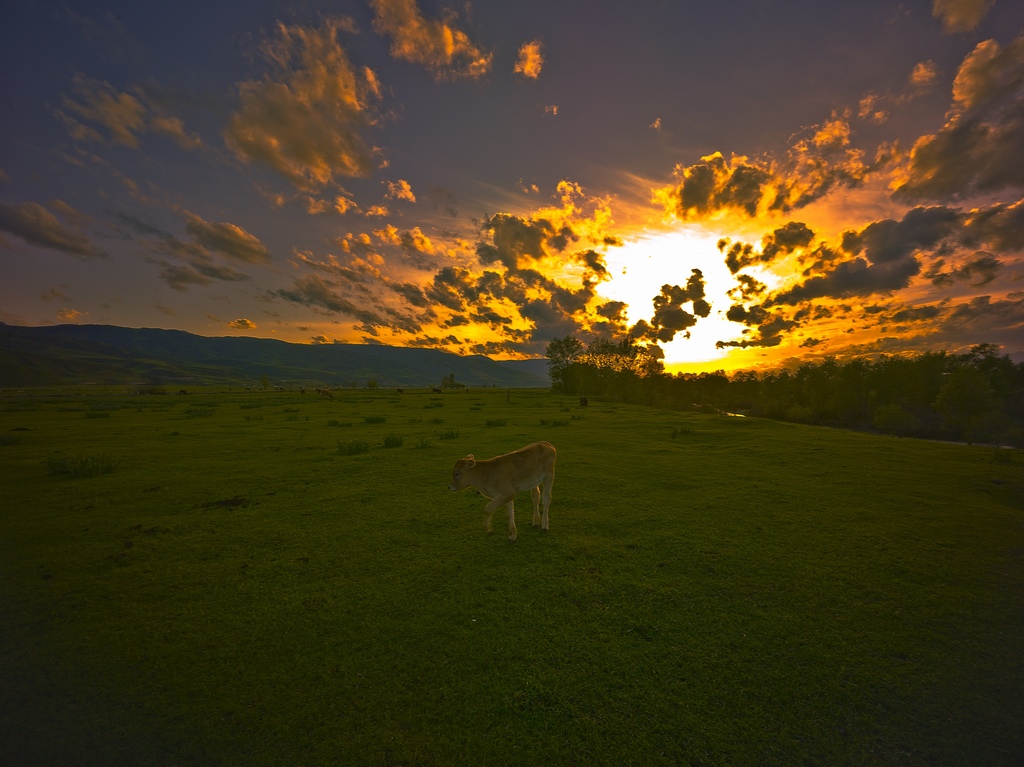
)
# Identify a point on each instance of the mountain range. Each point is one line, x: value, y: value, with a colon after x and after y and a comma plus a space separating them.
x: 106, y: 354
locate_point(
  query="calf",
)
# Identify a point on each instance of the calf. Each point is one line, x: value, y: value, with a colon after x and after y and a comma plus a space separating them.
x: 500, y: 479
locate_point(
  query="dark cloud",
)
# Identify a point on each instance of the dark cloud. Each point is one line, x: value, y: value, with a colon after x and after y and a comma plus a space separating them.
x: 980, y: 149
x: 852, y: 278
x: 769, y: 331
x: 443, y: 200
x: 889, y: 240
x: 512, y: 238
x: 38, y: 226
x: 889, y: 260
x: 193, y: 261
x: 228, y: 240
x: 782, y: 241
x: 978, y: 270
x: 669, y: 316
x: 315, y: 292
x: 999, y: 227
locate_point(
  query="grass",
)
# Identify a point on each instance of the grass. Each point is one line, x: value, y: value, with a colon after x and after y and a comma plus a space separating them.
x: 748, y: 592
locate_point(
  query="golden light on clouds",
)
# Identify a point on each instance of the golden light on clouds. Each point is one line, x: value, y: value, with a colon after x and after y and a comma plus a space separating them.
x: 530, y: 61
x: 640, y: 268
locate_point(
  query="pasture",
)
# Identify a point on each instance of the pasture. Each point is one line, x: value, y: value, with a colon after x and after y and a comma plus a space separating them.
x: 270, y: 578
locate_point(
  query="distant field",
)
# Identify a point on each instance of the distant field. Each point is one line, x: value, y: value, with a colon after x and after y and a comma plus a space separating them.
x: 250, y: 578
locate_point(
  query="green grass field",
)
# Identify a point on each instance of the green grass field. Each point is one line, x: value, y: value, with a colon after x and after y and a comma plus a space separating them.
x: 221, y: 579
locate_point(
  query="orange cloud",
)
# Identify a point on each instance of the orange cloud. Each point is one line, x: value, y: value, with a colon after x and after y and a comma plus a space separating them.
x: 960, y: 15
x: 444, y: 50
x: 242, y: 324
x: 40, y: 227
x: 530, y: 61
x: 400, y: 190
x: 305, y: 118
x: 124, y: 115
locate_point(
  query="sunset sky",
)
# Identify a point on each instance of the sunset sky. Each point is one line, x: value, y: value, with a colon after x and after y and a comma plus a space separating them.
x: 736, y: 183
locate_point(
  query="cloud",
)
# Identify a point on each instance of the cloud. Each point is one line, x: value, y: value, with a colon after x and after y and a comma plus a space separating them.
x: 813, y: 167
x: 242, y: 324
x: 184, y: 263
x: 530, y: 61
x: 228, y: 240
x: 978, y: 270
x: 980, y: 149
x: 889, y: 261
x: 669, y: 316
x: 784, y: 240
x: 51, y: 294
x: 446, y: 51
x: 124, y: 115
x: 443, y: 200
x: 923, y: 76
x: 318, y: 293
x: 960, y: 15
x: 306, y: 117
x: 400, y: 190
x: 69, y: 315
x: 38, y: 226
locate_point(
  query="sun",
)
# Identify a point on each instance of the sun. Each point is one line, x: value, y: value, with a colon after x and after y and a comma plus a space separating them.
x: 642, y: 265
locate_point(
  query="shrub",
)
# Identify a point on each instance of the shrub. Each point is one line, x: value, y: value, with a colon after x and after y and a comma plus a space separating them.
x: 448, y: 433
x: 497, y: 422
x: 80, y: 465
x: 545, y: 422
x: 199, y: 412
x: 10, y: 439
x: 1002, y: 455
x: 422, y: 443
x: 336, y: 422
x: 355, y: 447
x: 393, y: 440
x: 376, y: 419
x: 97, y: 414
x: 894, y: 420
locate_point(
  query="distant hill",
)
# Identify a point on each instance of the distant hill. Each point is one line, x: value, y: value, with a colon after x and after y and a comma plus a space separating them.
x: 106, y: 354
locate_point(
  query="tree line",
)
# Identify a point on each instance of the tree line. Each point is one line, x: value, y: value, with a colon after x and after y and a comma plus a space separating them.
x: 975, y: 397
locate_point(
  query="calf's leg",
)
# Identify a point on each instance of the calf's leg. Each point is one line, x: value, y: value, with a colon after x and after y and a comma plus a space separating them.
x: 535, y: 497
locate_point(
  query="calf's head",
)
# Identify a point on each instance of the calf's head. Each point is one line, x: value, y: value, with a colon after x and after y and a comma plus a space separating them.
x: 460, y: 478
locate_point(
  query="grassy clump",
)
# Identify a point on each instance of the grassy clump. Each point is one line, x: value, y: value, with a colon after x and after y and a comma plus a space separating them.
x: 199, y: 412
x: 393, y: 440
x: 449, y: 433
x: 336, y: 423
x: 497, y: 422
x: 80, y: 465
x: 375, y: 419
x: 353, y: 447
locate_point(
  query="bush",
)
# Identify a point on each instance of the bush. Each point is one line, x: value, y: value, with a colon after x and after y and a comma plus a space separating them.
x: 355, y: 447
x: 893, y: 419
x: 423, y: 443
x: 393, y: 440
x: 497, y: 422
x: 80, y: 465
x: 376, y: 419
x: 336, y: 422
x: 199, y: 412
x: 448, y: 433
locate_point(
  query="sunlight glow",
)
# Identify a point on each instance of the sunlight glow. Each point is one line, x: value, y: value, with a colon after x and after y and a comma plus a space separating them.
x: 640, y: 267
